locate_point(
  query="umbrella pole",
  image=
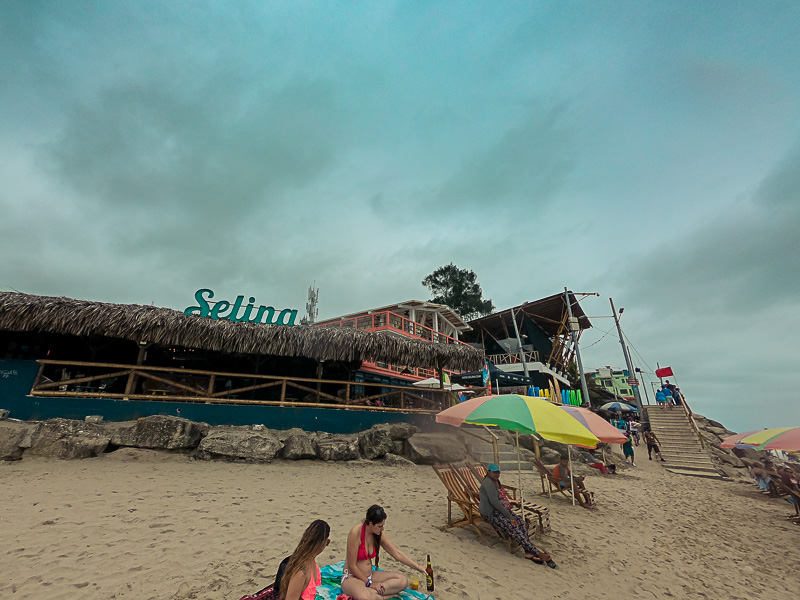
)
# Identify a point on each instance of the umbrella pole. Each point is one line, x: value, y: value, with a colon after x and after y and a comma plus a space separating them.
x: 519, y: 475
x: 571, y: 478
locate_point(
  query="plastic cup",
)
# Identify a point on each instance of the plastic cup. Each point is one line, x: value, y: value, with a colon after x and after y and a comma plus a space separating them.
x: 414, y: 582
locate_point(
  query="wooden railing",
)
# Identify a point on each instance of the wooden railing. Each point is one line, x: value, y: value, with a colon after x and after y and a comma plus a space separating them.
x: 387, y: 320
x: 139, y: 382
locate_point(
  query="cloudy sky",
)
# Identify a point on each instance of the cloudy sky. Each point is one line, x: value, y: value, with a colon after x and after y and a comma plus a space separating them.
x: 646, y: 151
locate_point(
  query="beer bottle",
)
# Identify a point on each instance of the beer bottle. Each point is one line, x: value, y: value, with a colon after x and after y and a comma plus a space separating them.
x: 429, y: 574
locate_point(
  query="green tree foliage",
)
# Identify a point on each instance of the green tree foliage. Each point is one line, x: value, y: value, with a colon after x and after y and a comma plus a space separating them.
x: 458, y: 289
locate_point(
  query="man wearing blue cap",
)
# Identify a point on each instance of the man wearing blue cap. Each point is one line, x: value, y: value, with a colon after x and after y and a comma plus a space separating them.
x: 495, y: 508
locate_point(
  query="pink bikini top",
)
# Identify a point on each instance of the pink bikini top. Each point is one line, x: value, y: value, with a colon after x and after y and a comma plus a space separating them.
x: 311, y: 589
x: 362, y: 549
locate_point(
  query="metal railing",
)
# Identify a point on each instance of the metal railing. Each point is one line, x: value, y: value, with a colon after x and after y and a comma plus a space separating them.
x: 511, y: 359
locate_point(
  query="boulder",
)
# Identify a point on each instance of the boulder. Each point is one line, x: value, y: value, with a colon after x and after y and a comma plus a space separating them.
x: 64, y: 438
x: 549, y: 456
x: 393, y: 460
x: 159, y: 431
x: 239, y: 443
x: 94, y: 418
x: 337, y: 447
x: 398, y: 446
x: 15, y: 436
x: 375, y: 442
x: 750, y: 455
x: 402, y: 431
x: 4, y: 414
x: 725, y: 456
x: 720, y: 432
x: 298, y: 446
x: 432, y: 448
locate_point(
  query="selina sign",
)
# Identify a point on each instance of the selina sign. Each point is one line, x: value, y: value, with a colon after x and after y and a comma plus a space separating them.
x: 222, y: 309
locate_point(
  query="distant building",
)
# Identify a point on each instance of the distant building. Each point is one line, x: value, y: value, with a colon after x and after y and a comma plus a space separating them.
x: 614, y: 381
x: 415, y: 319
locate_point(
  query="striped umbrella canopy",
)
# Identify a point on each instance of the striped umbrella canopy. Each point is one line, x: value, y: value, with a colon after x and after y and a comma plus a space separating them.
x: 735, y: 441
x: 601, y: 428
x: 777, y: 438
x: 621, y: 406
x: 523, y: 414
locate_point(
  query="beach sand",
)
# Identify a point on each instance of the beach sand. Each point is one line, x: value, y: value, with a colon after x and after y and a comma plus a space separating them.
x: 138, y: 524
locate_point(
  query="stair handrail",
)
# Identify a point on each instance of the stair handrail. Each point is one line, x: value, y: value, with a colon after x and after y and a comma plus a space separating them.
x: 688, y: 411
x: 495, y: 449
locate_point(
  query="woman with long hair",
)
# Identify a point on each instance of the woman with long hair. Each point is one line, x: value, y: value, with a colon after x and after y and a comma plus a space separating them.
x: 302, y: 575
x: 359, y: 580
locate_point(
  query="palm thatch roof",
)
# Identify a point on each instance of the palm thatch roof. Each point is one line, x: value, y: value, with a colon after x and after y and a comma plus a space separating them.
x: 168, y: 327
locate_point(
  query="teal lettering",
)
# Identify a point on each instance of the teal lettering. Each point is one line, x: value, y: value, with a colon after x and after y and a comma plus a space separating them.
x: 234, y: 315
x: 247, y: 310
x: 261, y: 310
x: 292, y: 316
x: 218, y: 308
x: 203, y: 308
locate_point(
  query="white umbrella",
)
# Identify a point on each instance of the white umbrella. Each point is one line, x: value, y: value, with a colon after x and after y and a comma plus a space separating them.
x: 433, y: 382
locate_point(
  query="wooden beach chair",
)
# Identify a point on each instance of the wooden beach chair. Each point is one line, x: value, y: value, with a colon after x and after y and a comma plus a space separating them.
x: 458, y: 494
x: 555, y: 485
x: 478, y: 471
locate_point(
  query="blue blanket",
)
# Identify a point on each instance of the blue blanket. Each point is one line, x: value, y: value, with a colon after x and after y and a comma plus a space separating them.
x: 331, y: 585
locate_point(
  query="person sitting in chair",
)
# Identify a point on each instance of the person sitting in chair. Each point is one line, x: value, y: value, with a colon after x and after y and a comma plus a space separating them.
x: 562, y: 475
x: 495, y: 508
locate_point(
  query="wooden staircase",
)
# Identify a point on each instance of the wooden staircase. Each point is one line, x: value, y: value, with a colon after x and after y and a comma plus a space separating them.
x: 482, y: 450
x: 681, y: 443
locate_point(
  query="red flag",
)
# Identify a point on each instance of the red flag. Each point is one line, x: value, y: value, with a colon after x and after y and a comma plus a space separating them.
x: 665, y: 372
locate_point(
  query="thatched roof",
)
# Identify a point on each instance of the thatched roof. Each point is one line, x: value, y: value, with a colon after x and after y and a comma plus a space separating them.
x: 168, y: 327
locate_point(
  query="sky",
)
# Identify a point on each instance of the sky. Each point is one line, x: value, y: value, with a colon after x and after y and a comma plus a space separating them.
x: 647, y: 152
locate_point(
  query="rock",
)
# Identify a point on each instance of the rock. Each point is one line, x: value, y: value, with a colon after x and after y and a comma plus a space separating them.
x: 239, y: 443
x: 750, y: 455
x: 94, y: 418
x: 549, y: 456
x: 337, y: 447
x: 720, y: 432
x: 392, y: 460
x: 398, y: 446
x: 15, y: 436
x: 4, y: 414
x: 298, y: 446
x: 402, y: 431
x: 733, y: 473
x: 159, y: 431
x: 724, y: 456
x: 375, y: 442
x: 258, y: 428
x: 432, y: 448
x: 64, y: 438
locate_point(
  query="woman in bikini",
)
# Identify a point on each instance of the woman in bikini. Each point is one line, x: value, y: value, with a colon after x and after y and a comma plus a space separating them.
x: 302, y: 575
x: 364, y: 541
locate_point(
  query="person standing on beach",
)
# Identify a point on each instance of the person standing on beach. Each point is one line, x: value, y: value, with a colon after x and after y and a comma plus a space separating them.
x: 627, y: 450
x: 359, y: 580
x: 495, y: 508
x: 652, y: 442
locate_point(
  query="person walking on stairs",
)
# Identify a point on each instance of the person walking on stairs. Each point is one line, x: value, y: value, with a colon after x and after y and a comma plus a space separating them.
x: 653, y: 443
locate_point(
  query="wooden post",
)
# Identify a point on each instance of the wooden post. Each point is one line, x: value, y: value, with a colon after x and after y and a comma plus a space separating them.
x: 211, y: 380
x: 536, y: 449
x: 38, y: 376
x: 283, y: 392
x: 319, y: 376
x: 402, y: 399
x: 347, y: 394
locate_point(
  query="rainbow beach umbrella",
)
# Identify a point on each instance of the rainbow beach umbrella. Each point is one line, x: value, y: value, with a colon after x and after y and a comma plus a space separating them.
x: 601, y: 428
x: 777, y: 438
x: 522, y: 414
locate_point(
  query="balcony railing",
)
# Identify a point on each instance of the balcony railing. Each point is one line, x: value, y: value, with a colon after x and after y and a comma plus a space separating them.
x: 389, y: 321
x: 511, y: 359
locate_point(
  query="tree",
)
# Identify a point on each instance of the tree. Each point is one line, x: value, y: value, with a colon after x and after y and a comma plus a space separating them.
x: 458, y: 289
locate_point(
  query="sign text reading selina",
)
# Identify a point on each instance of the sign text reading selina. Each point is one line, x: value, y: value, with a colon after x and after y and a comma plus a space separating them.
x: 218, y: 311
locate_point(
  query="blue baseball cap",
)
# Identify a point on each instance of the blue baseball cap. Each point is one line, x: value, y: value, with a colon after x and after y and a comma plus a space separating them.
x: 493, y: 467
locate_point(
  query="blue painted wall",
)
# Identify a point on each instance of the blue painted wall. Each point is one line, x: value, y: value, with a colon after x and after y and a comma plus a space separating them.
x: 17, y: 376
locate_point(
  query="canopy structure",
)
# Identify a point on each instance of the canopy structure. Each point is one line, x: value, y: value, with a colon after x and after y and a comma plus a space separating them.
x: 499, y: 378
x: 165, y: 326
x: 432, y: 382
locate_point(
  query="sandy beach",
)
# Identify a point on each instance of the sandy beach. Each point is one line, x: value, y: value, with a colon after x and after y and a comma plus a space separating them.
x: 138, y: 524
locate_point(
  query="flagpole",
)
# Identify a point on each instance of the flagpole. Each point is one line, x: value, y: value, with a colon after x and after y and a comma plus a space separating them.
x: 571, y: 477
x: 631, y: 372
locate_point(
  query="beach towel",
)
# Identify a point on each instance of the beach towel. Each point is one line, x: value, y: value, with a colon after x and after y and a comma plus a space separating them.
x: 331, y: 586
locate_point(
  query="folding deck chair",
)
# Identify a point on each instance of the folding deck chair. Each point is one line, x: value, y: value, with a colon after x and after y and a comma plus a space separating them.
x: 555, y: 485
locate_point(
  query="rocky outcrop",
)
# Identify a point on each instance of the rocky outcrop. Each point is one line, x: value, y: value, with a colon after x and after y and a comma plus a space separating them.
x: 239, y: 443
x: 15, y: 437
x: 159, y: 431
x: 432, y: 448
x: 393, y: 460
x: 375, y: 442
x: 63, y: 438
x: 298, y: 445
x: 336, y: 447
x: 731, y: 462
